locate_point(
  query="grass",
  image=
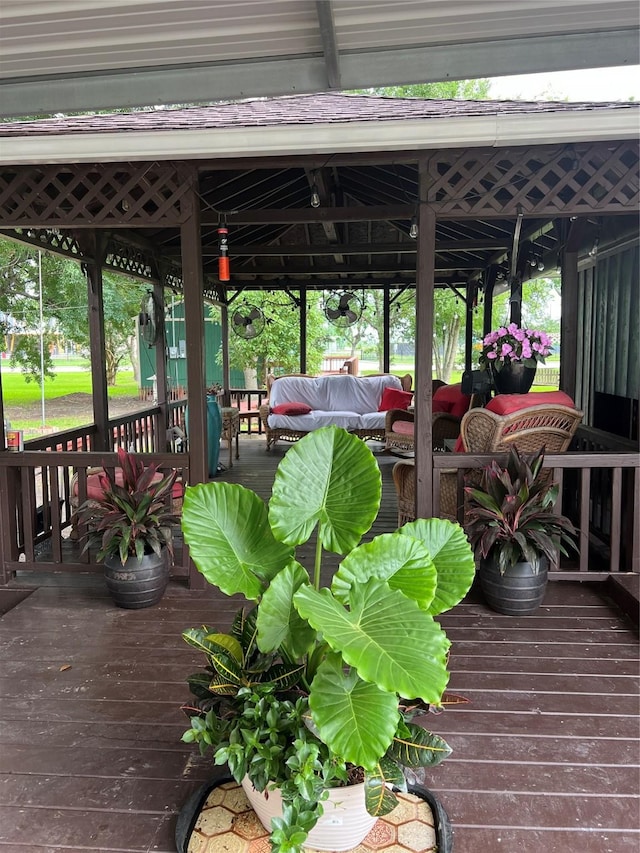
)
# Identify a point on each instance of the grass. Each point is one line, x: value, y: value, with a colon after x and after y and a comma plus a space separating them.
x: 16, y: 391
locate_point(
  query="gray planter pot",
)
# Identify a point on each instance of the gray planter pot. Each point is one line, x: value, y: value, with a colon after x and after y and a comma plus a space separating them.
x: 139, y: 583
x: 518, y: 592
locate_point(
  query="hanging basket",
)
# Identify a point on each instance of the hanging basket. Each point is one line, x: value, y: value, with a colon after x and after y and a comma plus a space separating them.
x: 513, y: 378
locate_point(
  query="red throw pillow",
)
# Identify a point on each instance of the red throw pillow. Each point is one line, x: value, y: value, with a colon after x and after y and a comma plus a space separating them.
x: 450, y: 399
x: 505, y: 404
x: 291, y: 409
x: 393, y: 398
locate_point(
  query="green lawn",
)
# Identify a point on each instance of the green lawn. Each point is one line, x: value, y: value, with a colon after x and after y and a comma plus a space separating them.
x: 17, y: 392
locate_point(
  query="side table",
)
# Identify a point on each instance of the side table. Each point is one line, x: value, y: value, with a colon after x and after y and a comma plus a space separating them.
x: 231, y: 429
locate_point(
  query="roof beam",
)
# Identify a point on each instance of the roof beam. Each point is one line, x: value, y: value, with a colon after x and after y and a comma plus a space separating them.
x: 291, y: 216
x: 274, y: 251
x: 324, y: 11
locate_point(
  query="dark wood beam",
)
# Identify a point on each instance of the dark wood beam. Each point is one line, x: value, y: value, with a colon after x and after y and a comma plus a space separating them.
x: 305, y: 161
x: 471, y: 245
x: 96, y: 242
x: 296, y: 215
x: 194, y: 335
x: 426, y: 242
x: 275, y: 251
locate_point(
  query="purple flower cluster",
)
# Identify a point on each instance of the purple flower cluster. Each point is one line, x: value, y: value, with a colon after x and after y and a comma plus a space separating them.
x: 511, y: 343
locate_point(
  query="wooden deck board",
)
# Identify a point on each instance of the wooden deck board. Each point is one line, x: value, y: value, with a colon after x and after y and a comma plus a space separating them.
x: 546, y: 752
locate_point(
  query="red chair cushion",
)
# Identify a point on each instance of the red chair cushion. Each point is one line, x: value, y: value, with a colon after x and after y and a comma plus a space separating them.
x: 505, y: 404
x: 450, y: 399
x: 291, y: 409
x: 403, y: 427
x: 393, y: 398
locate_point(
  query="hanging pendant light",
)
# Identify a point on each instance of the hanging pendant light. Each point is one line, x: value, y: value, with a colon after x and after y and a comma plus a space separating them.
x: 223, y: 257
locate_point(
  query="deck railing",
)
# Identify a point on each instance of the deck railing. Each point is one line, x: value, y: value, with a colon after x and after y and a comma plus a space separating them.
x: 599, y: 492
x: 39, y: 489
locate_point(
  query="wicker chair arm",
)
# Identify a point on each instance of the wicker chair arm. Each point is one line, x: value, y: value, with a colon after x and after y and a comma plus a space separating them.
x: 444, y: 426
x: 263, y: 412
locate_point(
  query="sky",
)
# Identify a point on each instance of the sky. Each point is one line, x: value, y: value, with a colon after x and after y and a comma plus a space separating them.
x: 597, y: 84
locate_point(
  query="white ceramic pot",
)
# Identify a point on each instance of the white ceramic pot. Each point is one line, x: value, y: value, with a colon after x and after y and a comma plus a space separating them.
x: 344, y: 824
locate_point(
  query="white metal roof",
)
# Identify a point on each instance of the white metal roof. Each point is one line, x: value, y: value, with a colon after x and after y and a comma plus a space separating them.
x: 73, y: 55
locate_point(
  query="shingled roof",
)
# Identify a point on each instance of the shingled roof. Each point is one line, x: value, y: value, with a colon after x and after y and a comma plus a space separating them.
x: 294, y: 110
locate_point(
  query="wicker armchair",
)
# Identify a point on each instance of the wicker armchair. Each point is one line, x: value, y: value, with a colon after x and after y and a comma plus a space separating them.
x: 444, y: 425
x: 543, y: 426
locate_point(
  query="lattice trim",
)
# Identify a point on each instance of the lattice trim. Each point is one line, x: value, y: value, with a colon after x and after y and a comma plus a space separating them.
x: 107, y: 193
x: 53, y: 240
x: 541, y: 180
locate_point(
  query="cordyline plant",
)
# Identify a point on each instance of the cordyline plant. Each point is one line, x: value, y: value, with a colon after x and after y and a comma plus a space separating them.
x: 315, y: 686
x: 511, y: 514
x: 131, y: 518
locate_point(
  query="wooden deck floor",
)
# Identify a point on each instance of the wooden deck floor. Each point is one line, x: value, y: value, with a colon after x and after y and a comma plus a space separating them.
x: 546, y: 754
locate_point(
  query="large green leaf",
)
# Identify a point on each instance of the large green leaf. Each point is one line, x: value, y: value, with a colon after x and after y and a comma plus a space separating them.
x: 279, y: 623
x: 331, y: 477
x: 452, y: 555
x: 420, y: 749
x: 378, y: 798
x: 402, y: 561
x: 227, y: 531
x: 355, y: 719
x: 385, y: 636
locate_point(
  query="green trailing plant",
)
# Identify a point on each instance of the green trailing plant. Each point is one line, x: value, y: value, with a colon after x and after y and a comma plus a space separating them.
x: 315, y: 686
x: 511, y: 514
x: 132, y: 517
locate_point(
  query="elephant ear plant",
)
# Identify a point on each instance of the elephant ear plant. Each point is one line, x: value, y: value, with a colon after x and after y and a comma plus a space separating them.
x: 318, y: 686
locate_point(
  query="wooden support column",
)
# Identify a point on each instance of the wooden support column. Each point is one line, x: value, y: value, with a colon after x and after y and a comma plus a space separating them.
x: 102, y: 440
x: 191, y: 248
x: 162, y: 420
x: 569, y: 326
x: 425, y: 279
x: 472, y: 294
x: 386, y: 344
x: 303, y: 329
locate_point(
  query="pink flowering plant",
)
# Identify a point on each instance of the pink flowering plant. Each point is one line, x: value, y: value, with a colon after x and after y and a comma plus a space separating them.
x: 511, y: 343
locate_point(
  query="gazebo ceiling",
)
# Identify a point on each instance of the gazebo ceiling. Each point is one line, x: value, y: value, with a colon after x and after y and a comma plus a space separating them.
x: 67, y: 56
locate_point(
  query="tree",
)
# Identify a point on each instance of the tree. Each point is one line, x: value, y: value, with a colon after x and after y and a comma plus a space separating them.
x: 278, y: 345
x: 468, y: 90
x: 64, y: 298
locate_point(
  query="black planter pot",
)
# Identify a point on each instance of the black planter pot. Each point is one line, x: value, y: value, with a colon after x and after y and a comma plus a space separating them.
x: 190, y: 812
x: 518, y: 592
x: 514, y: 378
x: 139, y: 583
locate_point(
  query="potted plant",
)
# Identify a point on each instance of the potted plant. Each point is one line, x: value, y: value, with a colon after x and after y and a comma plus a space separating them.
x: 128, y: 519
x: 512, y: 354
x: 515, y: 533
x: 319, y: 686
